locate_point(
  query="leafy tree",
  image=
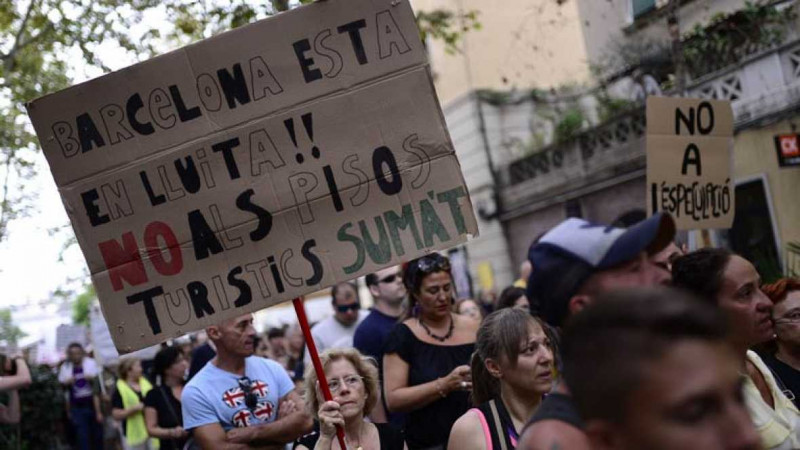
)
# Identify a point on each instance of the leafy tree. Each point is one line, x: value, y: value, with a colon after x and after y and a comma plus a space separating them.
x: 42, y: 41
x: 42, y: 406
x: 82, y: 306
x: 10, y: 334
x: 446, y: 26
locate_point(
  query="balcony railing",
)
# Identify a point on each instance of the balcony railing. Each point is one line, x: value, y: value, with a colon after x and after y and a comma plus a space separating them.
x: 761, y: 78
x: 610, y: 149
x: 731, y: 39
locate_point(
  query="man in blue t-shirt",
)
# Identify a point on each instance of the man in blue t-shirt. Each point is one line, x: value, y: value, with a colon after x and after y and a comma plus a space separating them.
x: 388, y: 292
x: 238, y: 398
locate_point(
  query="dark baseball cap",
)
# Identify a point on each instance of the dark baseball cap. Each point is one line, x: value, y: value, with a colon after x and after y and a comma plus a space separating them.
x: 565, y: 257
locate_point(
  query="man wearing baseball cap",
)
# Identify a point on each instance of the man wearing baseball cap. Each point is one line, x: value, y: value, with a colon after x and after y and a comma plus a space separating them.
x: 573, y: 264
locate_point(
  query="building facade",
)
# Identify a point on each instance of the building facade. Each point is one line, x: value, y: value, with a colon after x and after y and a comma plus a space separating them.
x: 534, y: 155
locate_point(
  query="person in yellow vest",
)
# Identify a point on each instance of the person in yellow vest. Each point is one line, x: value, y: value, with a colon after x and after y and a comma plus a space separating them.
x: 128, y: 406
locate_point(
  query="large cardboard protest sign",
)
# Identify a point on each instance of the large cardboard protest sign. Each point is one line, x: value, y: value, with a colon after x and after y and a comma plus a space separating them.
x: 254, y: 167
x: 689, y: 161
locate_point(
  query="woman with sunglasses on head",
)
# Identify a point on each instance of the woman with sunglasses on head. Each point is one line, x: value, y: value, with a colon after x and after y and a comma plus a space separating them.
x: 784, y: 361
x: 512, y: 369
x: 426, y: 358
x: 162, y: 405
x: 353, y: 382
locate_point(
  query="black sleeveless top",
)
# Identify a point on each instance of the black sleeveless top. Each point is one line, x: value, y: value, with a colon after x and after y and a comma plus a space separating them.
x: 558, y: 407
x: 389, y: 437
x: 430, y: 425
x: 506, y: 425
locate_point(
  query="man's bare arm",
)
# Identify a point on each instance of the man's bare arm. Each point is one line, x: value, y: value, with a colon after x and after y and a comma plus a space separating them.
x: 213, y: 437
x: 287, y: 428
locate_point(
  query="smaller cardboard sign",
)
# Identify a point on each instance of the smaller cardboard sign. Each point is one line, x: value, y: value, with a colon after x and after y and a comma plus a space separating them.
x: 689, y: 161
x: 67, y: 334
x: 788, y: 147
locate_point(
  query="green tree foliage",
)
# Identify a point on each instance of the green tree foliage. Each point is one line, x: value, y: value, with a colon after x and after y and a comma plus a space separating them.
x: 42, y: 406
x: 82, y: 306
x: 10, y: 334
x: 570, y: 125
x: 43, y: 41
x: 447, y: 26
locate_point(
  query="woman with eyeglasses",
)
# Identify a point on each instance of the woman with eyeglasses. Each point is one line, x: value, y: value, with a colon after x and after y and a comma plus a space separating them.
x: 426, y: 358
x: 353, y: 382
x: 785, y: 360
x: 512, y: 369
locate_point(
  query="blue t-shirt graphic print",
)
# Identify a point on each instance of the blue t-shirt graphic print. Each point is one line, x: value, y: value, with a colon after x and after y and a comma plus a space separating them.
x: 215, y: 396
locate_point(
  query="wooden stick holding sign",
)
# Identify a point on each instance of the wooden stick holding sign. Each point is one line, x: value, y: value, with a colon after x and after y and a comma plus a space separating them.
x: 312, y: 351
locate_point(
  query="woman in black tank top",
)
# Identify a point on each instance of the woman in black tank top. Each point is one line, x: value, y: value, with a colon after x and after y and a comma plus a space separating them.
x: 512, y: 368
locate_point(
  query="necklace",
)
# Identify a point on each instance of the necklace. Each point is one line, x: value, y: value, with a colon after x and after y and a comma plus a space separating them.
x: 437, y: 337
x: 358, y: 442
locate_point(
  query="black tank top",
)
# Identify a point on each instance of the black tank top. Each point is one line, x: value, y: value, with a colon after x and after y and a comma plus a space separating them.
x: 509, y: 433
x: 557, y: 407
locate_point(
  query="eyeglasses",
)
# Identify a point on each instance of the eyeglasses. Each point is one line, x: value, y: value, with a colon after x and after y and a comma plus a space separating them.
x: 345, y: 308
x: 250, y: 398
x: 352, y: 381
x: 388, y: 279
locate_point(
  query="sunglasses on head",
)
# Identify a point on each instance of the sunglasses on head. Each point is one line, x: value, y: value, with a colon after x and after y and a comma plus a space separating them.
x: 250, y: 398
x: 346, y: 308
x: 433, y: 263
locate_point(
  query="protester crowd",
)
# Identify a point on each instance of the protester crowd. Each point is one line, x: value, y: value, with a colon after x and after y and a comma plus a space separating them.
x: 613, y: 338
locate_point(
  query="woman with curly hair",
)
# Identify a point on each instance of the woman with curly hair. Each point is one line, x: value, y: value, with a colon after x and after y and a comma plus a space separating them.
x: 353, y: 382
x: 785, y: 361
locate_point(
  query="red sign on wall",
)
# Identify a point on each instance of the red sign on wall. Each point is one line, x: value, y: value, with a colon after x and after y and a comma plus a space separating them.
x: 788, y: 147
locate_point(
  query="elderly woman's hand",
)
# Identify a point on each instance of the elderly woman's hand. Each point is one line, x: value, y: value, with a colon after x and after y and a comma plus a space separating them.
x: 329, y: 417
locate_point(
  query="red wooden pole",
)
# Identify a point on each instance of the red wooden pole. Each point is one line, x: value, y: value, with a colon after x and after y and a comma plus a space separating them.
x: 312, y: 351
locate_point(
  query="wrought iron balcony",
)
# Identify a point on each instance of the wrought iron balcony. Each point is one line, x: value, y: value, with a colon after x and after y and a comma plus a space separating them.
x: 729, y: 40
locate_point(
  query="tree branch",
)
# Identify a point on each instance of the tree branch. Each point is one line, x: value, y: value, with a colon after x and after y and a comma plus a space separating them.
x: 15, y: 48
x: 5, y: 209
x: 33, y: 39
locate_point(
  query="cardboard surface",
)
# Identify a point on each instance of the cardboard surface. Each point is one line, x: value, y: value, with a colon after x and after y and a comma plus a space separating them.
x: 690, y: 161
x: 67, y: 334
x: 332, y: 169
